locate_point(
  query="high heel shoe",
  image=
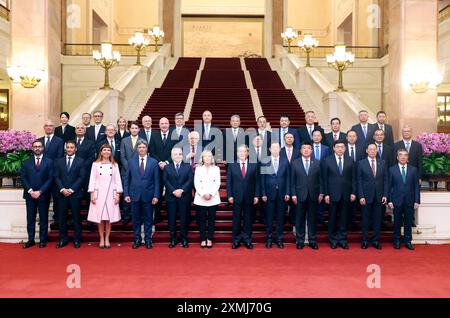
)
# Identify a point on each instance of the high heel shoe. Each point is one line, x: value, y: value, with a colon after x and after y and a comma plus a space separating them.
x: 203, y: 244
x: 209, y: 244
x: 101, y: 246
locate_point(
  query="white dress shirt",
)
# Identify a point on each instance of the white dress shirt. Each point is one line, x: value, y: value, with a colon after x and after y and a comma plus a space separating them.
x: 145, y: 161
x: 207, y: 182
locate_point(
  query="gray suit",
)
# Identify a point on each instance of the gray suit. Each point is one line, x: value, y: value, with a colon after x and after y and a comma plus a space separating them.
x: 127, y: 152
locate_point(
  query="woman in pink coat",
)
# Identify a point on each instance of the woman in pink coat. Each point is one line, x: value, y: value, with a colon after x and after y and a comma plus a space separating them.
x: 105, y: 187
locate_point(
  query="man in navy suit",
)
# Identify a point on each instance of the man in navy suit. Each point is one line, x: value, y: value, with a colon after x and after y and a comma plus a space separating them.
x: 284, y: 129
x: 142, y: 190
x: 36, y: 176
x: 97, y: 131
x: 339, y: 181
x: 372, y: 184
x: 70, y: 176
x: 235, y: 136
x: 275, y: 192
x: 266, y: 136
x: 147, y: 133
x: 307, y: 192
x: 66, y: 132
x: 415, y: 151
x: 289, y: 152
x: 243, y: 189
x: 356, y: 151
x: 85, y: 147
x: 179, y: 180
x: 335, y: 134
x: 404, y: 197
x: 387, y: 129
x: 211, y: 137
x: 364, y: 130
x: 180, y: 132
x: 320, y: 151
x: 305, y: 133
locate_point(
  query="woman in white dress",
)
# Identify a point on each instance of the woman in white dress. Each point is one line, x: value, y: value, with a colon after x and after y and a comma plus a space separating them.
x: 207, y: 198
x: 105, y: 187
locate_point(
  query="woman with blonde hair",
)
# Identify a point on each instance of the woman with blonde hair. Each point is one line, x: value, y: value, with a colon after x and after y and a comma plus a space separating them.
x: 122, y: 131
x: 105, y: 187
x: 207, y: 198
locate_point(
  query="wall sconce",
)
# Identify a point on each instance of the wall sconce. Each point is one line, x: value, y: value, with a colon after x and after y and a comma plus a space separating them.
x: 27, y: 77
x: 156, y: 34
x: 340, y: 60
x: 3, y: 116
x: 423, y: 82
x: 308, y: 44
x: 289, y: 35
x: 106, y: 58
x: 140, y: 43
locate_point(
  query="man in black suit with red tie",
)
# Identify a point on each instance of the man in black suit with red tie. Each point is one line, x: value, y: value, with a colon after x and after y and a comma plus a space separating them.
x: 70, y: 176
x: 243, y: 190
x: 372, y: 184
x: 339, y: 177
x: 36, y: 176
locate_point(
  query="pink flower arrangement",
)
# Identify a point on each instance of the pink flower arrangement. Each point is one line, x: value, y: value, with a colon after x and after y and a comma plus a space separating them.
x: 15, y: 141
x: 434, y: 143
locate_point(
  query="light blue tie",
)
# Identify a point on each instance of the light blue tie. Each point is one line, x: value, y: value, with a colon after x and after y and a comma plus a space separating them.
x: 307, y: 167
x: 365, y: 131
x: 317, y: 153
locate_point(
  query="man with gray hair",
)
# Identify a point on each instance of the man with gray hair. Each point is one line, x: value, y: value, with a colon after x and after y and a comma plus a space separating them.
x: 110, y: 132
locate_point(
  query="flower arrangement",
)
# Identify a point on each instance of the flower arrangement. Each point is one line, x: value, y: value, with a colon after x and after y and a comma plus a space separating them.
x: 436, y: 149
x: 15, y: 148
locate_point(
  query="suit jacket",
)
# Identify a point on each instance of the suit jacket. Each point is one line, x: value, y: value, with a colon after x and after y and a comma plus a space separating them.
x: 415, y: 155
x: 295, y: 153
x: 90, y: 133
x: 324, y: 152
x: 303, y: 133
x: 360, y: 152
x: 303, y: 184
x: 69, y: 133
x: 37, y: 179
x: 55, y: 148
x: 329, y: 139
x: 388, y: 133
x: 183, y: 180
x: 386, y: 155
x: 207, y: 140
x: 243, y: 190
x: 87, y: 152
x: 335, y: 185
x: 117, y: 145
x: 143, y: 135
x: 231, y: 145
x: 183, y: 136
x: 292, y: 131
x: 73, y: 179
x: 127, y: 152
x: 369, y: 187
x: 404, y: 192
x: 273, y: 183
x: 142, y: 188
x: 207, y: 182
x: 364, y: 141
x: 162, y: 151
x: 267, y: 142
x: 119, y: 137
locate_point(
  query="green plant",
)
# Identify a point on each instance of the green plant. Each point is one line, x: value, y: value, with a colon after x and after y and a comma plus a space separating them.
x: 10, y: 163
x: 436, y: 164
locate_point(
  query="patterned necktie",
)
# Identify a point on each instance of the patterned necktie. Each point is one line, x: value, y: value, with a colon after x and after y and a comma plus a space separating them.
x: 307, y: 167
x: 404, y: 174
x: 335, y: 137
x: 374, y: 171
x: 243, y: 170
x: 340, y: 166
x: 141, y: 168
x: 310, y: 132
x: 147, y: 133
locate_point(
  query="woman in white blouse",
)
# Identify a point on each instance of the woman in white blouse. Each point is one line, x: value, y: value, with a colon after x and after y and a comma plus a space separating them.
x: 207, y: 198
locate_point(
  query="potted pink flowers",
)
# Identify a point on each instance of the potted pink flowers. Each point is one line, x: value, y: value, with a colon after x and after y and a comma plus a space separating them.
x: 15, y: 148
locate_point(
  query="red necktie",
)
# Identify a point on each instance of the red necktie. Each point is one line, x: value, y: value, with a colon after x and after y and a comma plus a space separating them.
x: 243, y: 170
x: 38, y: 163
x: 193, y: 158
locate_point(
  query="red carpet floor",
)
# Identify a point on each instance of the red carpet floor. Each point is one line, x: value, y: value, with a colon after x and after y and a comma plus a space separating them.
x: 223, y: 272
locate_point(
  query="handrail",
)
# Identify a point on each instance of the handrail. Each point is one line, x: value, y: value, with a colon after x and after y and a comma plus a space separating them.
x: 362, y: 52
x: 4, y: 12
x: 85, y: 49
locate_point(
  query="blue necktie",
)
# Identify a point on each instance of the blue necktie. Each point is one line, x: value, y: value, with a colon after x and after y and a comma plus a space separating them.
x: 307, y: 166
x: 365, y: 132
x: 68, y: 163
x: 380, y: 152
x: 352, y: 153
x: 177, y: 168
x: 340, y: 166
x: 317, y: 153
x: 404, y: 174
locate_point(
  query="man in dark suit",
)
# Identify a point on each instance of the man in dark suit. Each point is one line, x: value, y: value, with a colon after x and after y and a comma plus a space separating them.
x: 283, y: 130
x: 70, y: 176
x: 85, y: 147
x: 305, y: 133
x: 212, y: 137
x: 180, y: 132
x: 147, y: 133
x: 266, y: 136
x: 387, y: 129
x: 142, y: 190
x: 415, y: 151
x: 275, y: 192
x: 364, y: 130
x: 372, y: 185
x: 339, y: 178
x: 65, y: 131
x: 234, y: 137
x: 335, y: 134
x: 110, y: 139
x: 307, y: 192
x: 355, y: 150
x: 178, y: 180
x: 243, y: 189
x: 404, y: 197
x: 36, y: 176
x: 320, y: 151
x: 289, y: 151
x: 97, y: 131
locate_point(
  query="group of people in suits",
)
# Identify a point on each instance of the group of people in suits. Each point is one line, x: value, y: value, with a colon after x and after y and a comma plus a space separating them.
x: 298, y: 171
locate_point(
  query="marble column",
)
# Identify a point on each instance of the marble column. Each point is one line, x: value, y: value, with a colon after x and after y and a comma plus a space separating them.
x: 412, y: 48
x: 168, y: 20
x: 36, y: 43
x: 277, y: 23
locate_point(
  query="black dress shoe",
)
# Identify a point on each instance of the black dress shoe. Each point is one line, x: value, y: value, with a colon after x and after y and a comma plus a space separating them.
x: 136, y: 244
x: 300, y: 246
x: 29, y: 244
x: 62, y: 244
x: 344, y: 246
x: 409, y: 246
x: 280, y: 244
x: 333, y: 246
x: 172, y: 244
x: 235, y: 245
x: 249, y: 246
x: 397, y: 245
x: 269, y: 244
x: 377, y: 246
x: 42, y: 245
x: 126, y: 220
x: 149, y: 245
x: 314, y: 246
x: 364, y: 245
x: 76, y: 244
x: 184, y: 244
